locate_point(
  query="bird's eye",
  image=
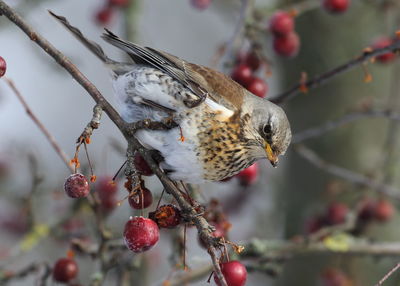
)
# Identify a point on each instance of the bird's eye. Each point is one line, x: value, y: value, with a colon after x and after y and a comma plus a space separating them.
x: 267, y: 129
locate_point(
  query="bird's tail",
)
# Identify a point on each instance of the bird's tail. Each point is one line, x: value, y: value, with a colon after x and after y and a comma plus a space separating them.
x: 95, y: 48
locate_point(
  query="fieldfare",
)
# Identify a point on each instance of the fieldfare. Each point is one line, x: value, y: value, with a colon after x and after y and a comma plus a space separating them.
x: 226, y: 128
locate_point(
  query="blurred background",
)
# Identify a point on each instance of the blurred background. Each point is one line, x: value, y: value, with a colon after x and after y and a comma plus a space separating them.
x: 298, y: 203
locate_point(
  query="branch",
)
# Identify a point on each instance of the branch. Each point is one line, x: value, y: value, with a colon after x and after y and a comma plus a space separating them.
x: 39, y: 124
x: 325, y: 77
x: 330, y: 125
x: 393, y: 270
x: 188, y: 211
x: 278, y: 250
x: 346, y: 174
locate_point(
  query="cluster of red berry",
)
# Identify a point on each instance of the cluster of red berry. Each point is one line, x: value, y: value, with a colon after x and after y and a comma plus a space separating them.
x: 286, y: 41
x: 369, y: 210
x: 243, y: 73
x: 105, y: 14
x: 380, y: 43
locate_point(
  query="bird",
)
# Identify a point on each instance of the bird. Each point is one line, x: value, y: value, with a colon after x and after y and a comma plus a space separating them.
x: 221, y: 127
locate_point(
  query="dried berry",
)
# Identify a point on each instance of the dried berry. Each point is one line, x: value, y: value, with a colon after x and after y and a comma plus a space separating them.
x: 166, y: 216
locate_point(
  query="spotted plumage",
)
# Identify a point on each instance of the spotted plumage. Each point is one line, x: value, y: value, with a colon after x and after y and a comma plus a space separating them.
x: 225, y: 127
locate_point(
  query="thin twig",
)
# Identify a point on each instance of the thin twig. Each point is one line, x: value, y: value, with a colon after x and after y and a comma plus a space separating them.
x: 333, y: 124
x: 346, y: 174
x: 35, y: 119
x: 324, y: 77
x: 393, y: 270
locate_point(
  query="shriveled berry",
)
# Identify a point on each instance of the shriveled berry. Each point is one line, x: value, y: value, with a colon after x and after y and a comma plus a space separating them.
x: 253, y: 60
x: 65, y: 270
x: 258, y: 87
x: 141, y: 200
x: 288, y: 45
x: 380, y: 43
x: 336, y: 213
x: 234, y: 273
x: 167, y: 216
x: 118, y: 3
x: 336, y: 6
x: 3, y: 66
x: 140, y: 234
x: 242, y: 74
x: 200, y: 4
x: 249, y: 175
x: 141, y: 165
x: 384, y: 210
x: 77, y: 186
x: 281, y: 23
x: 104, y: 16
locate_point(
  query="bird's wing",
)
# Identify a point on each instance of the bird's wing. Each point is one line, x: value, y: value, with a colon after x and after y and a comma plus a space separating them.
x: 201, y: 81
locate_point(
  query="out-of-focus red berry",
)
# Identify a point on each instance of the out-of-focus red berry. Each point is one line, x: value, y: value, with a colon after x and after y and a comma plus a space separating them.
x: 336, y: 213
x: 335, y: 277
x: 367, y: 209
x: 288, y: 45
x: 65, y: 270
x: 200, y: 4
x: 104, y: 16
x: 141, y: 165
x: 166, y: 216
x: 313, y: 225
x: 258, y: 87
x: 107, y: 190
x: 281, y: 23
x: 76, y: 186
x: 118, y: 3
x: 253, y: 60
x: 140, y: 234
x: 242, y: 74
x: 3, y: 66
x: 384, y: 210
x: 141, y: 200
x: 380, y: 43
x: 249, y: 175
x: 234, y: 273
x: 336, y: 6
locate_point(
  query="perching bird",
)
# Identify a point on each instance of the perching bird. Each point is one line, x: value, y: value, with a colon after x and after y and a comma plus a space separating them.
x: 223, y: 128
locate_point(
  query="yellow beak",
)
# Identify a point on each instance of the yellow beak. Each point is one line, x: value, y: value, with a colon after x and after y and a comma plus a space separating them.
x: 270, y: 155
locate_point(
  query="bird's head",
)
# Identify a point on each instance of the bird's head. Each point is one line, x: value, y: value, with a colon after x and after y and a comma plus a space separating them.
x: 271, y: 128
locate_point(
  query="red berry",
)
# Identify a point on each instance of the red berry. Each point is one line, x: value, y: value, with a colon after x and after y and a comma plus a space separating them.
x: 65, y: 270
x: 234, y: 272
x: 384, y: 210
x: 77, y: 186
x: 166, y: 216
x: 107, y: 189
x: 337, y: 213
x: 104, y: 15
x: 366, y: 211
x: 334, y: 277
x: 118, y: 3
x: 141, y: 200
x: 313, y: 225
x: 242, y: 74
x: 141, y: 165
x: 281, y: 23
x: 258, y: 87
x: 200, y: 4
x: 249, y: 175
x: 253, y: 60
x: 288, y: 45
x: 380, y: 43
x: 336, y: 6
x: 3, y: 66
x: 140, y: 234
